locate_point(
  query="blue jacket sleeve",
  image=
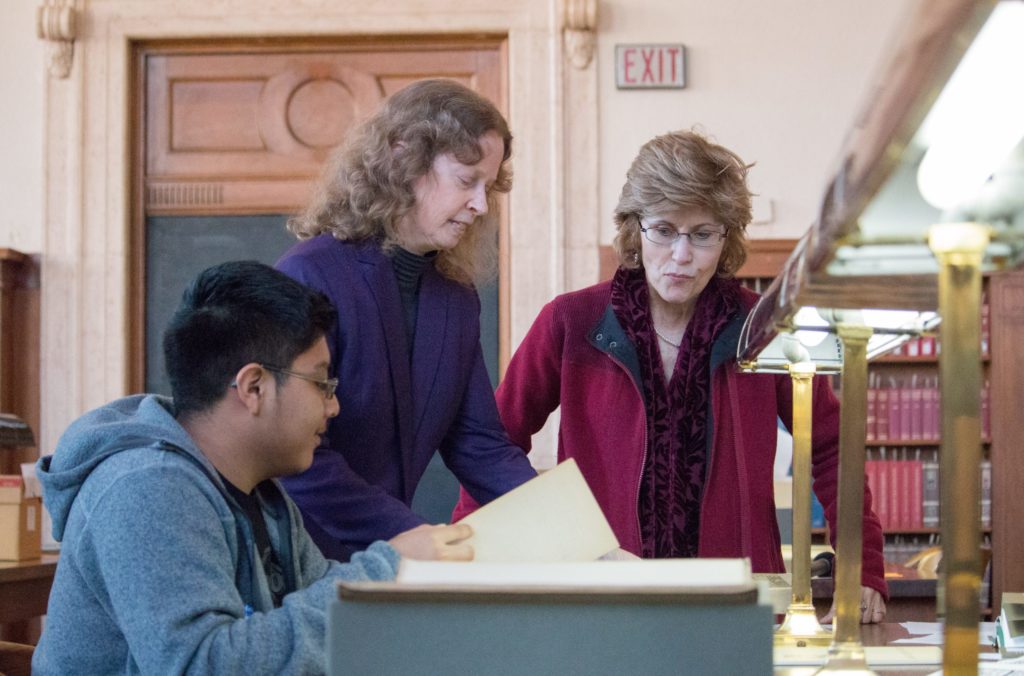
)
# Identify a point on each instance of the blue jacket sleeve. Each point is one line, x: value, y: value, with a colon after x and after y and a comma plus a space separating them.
x: 476, y: 448
x: 344, y: 506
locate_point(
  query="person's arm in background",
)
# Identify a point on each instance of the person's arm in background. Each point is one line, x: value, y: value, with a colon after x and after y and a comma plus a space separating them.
x: 476, y: 448
x: 345, y: 506
x: 529, y: 392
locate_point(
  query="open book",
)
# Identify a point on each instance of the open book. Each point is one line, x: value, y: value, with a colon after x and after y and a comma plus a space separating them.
x: 547, y: 536
x: 655, y: 575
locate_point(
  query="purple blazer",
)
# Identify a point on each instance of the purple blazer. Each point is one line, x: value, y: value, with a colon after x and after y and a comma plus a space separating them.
x: 396, y: 412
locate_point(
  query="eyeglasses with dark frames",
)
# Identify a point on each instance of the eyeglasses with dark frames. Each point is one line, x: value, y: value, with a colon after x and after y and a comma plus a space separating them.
x: 327, y: 386
x: 666, y: 235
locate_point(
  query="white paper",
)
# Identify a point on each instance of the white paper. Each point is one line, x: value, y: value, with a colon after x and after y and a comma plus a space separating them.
x: 986, y: 633
x: 553, y: 517
x: 876, y: 656
x: 920, y: 628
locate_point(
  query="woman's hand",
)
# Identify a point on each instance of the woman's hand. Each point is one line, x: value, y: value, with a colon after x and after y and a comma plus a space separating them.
x: 872, y: 608
x: 442, y: 542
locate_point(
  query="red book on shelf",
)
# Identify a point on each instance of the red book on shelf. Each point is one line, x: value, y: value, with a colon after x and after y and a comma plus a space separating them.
x: 930, y: 406
x: 895, y: 419
x: 871, y: 417
x: 916, y: 494
x: 892, y: 485
x: 927, y: 346
x: 906, y: 410
x: 881, y: 413
x: 893, y: 469
x: 905, y: 470
x: 916, y: 408
x: 896, y: 493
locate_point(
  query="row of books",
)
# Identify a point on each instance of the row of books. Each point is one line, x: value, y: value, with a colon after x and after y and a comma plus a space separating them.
x: 929, y: 346
x: 906, y: 492
x: 907, y: 408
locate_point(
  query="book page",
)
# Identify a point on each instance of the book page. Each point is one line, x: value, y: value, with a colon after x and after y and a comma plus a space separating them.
x: 553, y: 517
x: 661, y: 574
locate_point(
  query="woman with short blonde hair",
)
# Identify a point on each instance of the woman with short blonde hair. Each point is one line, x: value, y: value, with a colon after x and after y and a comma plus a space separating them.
x: 677, y: 445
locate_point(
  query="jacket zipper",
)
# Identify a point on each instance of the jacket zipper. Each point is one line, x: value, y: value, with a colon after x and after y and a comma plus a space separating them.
x: 643, y: 460
x: 711, y: 454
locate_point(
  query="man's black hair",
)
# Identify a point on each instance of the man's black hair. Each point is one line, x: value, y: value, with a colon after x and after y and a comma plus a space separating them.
x: 233, y: 314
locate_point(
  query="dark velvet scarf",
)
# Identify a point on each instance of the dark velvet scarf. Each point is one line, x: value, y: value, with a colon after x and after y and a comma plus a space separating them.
x: 677, y: 411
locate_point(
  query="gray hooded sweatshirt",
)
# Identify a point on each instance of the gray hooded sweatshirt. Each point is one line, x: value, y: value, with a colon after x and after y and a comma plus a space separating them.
x: 158, y: 571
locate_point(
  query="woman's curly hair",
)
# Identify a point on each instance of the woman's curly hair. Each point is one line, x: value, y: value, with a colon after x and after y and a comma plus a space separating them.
x: 368, y: 184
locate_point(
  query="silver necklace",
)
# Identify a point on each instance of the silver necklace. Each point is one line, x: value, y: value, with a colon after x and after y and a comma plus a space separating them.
x: 675, y: 345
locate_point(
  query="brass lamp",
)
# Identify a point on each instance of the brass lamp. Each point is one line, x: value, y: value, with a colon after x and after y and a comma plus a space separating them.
x: 923, y: 201
x: 787, y: 354
x: 849, y: 338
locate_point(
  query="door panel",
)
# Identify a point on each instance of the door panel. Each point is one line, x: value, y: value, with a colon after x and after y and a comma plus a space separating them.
x: 247, y: 132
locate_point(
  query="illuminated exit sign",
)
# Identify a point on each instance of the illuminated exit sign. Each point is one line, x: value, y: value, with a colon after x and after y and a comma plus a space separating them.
x: 650, y: 66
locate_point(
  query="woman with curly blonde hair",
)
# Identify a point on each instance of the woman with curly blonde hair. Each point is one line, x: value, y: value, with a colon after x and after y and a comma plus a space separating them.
x: 396, y: 234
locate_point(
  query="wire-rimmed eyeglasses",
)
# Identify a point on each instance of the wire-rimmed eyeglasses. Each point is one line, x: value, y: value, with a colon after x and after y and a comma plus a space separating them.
x: 327, y: 386
x: 665, y: 235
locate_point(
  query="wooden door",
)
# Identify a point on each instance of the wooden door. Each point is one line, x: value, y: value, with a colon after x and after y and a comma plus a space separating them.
x: 231, y: 137
x: 228, y: 142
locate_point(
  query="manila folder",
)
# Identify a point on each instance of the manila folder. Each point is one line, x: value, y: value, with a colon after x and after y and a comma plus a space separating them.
x: 553, y: 517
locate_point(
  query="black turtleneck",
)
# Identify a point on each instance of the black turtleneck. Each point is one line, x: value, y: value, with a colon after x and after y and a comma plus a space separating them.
x: 409, y: 269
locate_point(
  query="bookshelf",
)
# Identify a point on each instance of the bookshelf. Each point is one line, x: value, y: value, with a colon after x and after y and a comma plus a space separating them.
x: 912, y: 372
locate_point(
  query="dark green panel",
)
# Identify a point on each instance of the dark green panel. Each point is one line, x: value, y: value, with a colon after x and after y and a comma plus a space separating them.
x: 179, y: 247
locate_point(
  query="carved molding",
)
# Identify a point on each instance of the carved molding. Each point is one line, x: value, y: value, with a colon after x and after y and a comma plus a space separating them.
x: 55, y: 23
x: 579, y: 18
x: 361, y: 91
x: 89, y: 203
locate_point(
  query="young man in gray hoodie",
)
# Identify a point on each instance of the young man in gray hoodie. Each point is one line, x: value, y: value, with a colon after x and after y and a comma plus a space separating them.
x: 180, y: 551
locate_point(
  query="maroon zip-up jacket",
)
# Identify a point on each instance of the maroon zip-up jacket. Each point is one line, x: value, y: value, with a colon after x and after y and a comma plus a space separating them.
x: 576, y: 355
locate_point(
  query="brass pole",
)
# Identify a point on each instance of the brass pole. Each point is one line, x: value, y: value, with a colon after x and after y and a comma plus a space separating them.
x: 846, y: 653
x: 959, y: 248
x: 801, y: 627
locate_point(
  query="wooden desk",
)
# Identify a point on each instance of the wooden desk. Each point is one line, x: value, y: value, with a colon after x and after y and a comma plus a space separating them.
x: 25, y: 590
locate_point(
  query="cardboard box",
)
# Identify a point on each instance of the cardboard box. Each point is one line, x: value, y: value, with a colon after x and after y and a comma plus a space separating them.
x: 21, y: 511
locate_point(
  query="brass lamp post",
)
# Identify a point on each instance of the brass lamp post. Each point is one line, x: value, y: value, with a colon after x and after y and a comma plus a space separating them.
x: 959, y: 248
x: 846, y: 654
x: 801, y: 627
